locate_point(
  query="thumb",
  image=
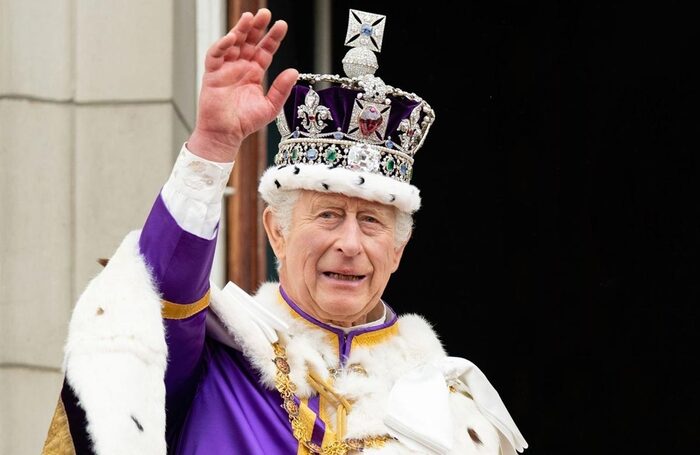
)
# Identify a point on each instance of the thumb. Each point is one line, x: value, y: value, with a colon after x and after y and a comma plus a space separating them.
x: 281, y: 87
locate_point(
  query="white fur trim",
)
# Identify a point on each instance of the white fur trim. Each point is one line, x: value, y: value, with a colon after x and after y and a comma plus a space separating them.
x: 116, y: 354
x: 372, y: 187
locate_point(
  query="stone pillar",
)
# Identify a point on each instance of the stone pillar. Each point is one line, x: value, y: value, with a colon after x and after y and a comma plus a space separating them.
x: 96, y: 99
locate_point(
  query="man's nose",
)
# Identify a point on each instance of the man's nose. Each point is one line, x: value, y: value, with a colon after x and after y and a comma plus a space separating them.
x: 350, y: 237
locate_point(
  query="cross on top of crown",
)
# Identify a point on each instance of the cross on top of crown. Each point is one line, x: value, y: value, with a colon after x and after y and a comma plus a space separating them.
x: 365, y: 30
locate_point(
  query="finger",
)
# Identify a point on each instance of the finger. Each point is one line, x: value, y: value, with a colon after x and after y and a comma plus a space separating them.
x: 238, y: 34
x: 281, y: 87
x: 260, y: 23
x: 232, y: 54
x: 270, y: 43
x: 228, y: 47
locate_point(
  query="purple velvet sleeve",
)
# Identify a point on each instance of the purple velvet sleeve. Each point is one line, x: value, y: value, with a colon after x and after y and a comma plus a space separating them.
x: 180, y: 263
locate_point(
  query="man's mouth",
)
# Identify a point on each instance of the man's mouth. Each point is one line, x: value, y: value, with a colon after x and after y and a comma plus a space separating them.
x: 343, y: 277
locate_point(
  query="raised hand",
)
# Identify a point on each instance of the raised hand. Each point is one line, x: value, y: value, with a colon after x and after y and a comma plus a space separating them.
x: 232, y: 101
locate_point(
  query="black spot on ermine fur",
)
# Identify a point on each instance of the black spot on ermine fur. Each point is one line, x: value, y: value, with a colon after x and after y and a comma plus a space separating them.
x: 138, y: 424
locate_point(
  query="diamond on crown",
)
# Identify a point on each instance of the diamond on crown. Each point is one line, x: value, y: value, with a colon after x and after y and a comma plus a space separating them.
x: 365, y: 30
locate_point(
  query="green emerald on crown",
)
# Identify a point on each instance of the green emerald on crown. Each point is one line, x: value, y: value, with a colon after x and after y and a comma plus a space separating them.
x: 389, y: 166
x: 296, y: 151
x: 331, y: 154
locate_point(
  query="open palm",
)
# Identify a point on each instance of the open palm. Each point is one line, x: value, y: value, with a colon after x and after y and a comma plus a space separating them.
x: 233, y: 103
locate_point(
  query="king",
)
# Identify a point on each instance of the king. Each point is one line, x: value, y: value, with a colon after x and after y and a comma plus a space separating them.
x: 160, y: 361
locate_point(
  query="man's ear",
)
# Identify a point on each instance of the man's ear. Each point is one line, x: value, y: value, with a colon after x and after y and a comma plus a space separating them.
x: 274, y: 233
x: 398, y: 253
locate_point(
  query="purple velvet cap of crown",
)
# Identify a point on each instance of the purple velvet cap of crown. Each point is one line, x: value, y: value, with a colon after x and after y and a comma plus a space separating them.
x: 357, y: 123
x: 340, y: 101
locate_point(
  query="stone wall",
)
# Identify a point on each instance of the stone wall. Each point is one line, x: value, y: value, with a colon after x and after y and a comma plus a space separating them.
x: 96, y: 99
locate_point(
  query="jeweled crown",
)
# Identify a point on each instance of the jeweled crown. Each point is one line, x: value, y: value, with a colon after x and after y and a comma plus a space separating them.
x: 359, y: 123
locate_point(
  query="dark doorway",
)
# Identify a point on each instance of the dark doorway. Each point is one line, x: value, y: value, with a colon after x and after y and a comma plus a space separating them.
x: 557, y: 246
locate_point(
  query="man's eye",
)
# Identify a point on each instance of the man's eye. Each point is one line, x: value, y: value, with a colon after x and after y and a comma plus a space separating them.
x: 370, y: 219
x: 327, y: 215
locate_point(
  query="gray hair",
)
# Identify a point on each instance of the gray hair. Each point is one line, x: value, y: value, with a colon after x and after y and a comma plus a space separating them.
x: 282, y: 204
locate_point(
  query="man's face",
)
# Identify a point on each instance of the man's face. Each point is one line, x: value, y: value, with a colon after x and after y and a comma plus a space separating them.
x: 338, y: 256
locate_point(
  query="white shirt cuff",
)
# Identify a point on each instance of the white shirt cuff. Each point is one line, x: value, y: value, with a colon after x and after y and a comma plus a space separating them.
x: 194, y: 191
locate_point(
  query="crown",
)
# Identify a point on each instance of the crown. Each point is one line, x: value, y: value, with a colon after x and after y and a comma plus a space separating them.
x: 358, y: 136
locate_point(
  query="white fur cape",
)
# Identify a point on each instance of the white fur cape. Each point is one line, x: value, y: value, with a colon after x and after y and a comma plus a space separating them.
x: 116, y: 354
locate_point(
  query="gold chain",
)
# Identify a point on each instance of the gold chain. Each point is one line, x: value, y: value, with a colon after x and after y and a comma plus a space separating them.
x: 286, y: 388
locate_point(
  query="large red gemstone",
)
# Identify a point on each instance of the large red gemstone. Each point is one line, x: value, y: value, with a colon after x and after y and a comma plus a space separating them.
x: 370, y: 120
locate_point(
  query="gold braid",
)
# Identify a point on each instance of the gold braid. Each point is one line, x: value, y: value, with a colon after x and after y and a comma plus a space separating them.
x: 286, y: 388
